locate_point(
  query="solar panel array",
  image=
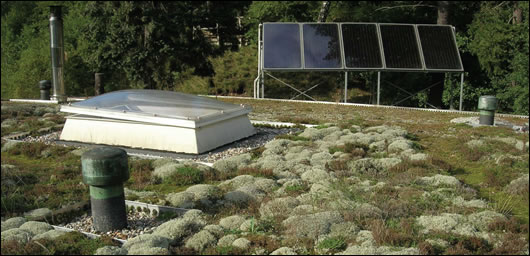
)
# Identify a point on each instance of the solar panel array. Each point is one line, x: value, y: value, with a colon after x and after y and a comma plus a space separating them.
x: 360, y: 46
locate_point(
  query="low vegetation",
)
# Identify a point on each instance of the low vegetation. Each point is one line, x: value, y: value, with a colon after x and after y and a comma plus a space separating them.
x: 370, y: 195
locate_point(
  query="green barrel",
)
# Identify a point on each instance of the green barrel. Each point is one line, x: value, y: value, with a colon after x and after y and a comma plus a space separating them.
x: 487, y: 106
x: 105, y: 169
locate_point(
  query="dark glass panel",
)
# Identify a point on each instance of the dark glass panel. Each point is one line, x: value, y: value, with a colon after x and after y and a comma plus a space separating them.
x: 439, y: 48
x: 361, y: 46
x: 322, y: 46
x: 400, y: 47
x: 281, y: 46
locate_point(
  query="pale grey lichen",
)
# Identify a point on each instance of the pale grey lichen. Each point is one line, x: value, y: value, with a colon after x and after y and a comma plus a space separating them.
x: 383, y: 250
x: 312, y: 225
x: 284, y: 251
x: 233, y: 163
x: 177, y: 229
x: 518, y: 186
x: 20, y: 235
x: 50, y: 235
x: 181, y: 200
x: 146, y: 241
x: 278, y: 207
x: 110, y: 250
x: 316, y: 175
x: 201, y: 240
x: 241, y: 243
x: 439, y: 180
x: 232, y: 222
x: 205, y: 192
x: 226, y: 240
x: 14, y: 222
x: 267, y: 185
x: 36, y: 227
x: 345, y: 229
x: 320, y: 159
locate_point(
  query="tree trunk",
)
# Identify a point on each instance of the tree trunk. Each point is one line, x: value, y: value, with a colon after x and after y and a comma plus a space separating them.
x: 443, y: 12
x: 517, y: 14
x: 436, y: 92
x: 324, y: 10
x: 98, y: 84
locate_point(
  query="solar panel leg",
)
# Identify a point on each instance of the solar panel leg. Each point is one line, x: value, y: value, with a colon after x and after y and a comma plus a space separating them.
x: 345, y: 87
x: 378, y: 86
x: 262, y: 86
x: 461, y: 90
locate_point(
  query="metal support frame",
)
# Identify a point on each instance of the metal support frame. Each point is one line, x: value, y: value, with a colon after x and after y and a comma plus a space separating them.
x: 461, y: 90
x: 292, y: 87
x: 346, y: 87
x: 378, y: 86
x: 312, y: 87
x: 411, y: 95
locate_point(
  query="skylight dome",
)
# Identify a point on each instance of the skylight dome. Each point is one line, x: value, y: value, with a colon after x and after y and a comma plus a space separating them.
x: 164, y: 120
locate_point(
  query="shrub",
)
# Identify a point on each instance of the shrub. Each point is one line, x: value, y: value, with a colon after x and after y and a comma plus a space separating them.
x: 256, y: 153
x: 333, y: 243
x: 73, y: 243
x: 140, y: 172
x: 30, y: 150
x: 512, y: 225
x: 393, y: 234
x: 185, y: 176
x: 257, y: 172
x: 292, y: 137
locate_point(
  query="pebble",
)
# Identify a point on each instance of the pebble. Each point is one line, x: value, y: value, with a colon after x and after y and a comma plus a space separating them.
x: 139, y: 223
x: 47, y: 139
x: 263, y: 135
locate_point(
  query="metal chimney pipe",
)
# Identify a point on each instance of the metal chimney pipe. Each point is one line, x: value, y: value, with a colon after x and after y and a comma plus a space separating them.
x: 57, y: 53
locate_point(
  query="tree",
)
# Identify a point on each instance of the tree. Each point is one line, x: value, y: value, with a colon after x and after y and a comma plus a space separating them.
x: 436, y: 92
x: 278, y: 11
x: 151, y: 42
x: 501, y: 47
x: 324, y: 11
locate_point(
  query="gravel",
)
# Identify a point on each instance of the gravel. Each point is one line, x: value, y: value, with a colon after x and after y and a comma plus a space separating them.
x: 47, y: 139
x: 262, y: 136
x: 139, y: 223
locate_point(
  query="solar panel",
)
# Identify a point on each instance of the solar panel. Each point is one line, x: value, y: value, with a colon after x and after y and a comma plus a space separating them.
x: 439, y: 47
x: 281, y: 46
x: 400, y: 47
x: 321, y: 46
x: 361, y: 46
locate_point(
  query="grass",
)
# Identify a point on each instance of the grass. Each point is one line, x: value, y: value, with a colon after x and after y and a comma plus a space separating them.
x: 72, y: 243
x: 333, y: 243
x: 40, y: 181
x: 356, y: 149
x: 185, y: 176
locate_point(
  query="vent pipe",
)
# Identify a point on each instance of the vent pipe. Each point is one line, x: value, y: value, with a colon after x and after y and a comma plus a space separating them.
x: 57, y: 53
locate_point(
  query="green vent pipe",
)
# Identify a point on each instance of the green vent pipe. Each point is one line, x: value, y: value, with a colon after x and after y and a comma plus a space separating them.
x: 487, y: 106
x: 105, y: 169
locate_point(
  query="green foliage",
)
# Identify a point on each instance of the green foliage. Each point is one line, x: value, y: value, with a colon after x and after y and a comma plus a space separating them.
x: 149, y: 41
x: 502, y: 51
x: 161, y: 45
x: 185, y: 176
x: 280, y: 11
x: 333, y: 243
x: 73, y: 243
x: 235, y: 72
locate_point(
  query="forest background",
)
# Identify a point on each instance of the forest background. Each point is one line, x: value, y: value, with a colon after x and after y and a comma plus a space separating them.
x: 169, y: 46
